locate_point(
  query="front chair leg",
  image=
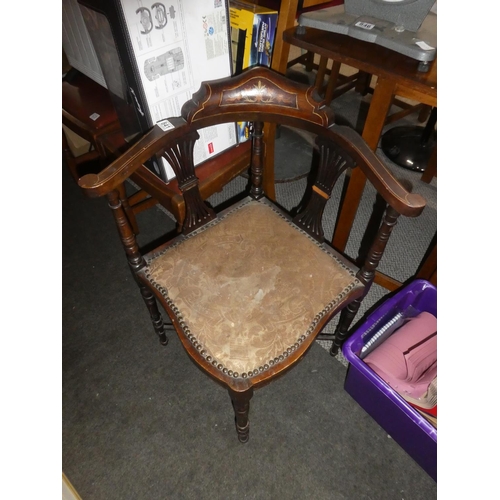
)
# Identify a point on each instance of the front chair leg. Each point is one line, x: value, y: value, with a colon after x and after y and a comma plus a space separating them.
x: 241, y: 405
x: 156, y: 317
x: 128, y: 209
x: 346, y: 317
x: 366, y: 275
x: 135, y: 259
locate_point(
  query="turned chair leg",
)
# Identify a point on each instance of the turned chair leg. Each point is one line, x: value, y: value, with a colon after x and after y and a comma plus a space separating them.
x: 241, y: 405
x: 135, y: 259
x: 346, y: 317
x: 366, y: 274
x: 128, y: 209
x: 156, y: 317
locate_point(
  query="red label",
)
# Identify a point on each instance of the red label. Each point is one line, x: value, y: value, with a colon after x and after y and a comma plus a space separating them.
x: 210, y: 147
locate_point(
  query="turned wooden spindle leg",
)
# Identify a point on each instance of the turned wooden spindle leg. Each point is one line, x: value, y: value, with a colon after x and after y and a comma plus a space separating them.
x: 346, y: 317
x: 155, y: 314
x: 241, y: 405
x: 366, y: 275
x: 135, y: 260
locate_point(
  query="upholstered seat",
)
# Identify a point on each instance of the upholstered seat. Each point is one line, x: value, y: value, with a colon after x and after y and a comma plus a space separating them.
x: 239, y: 285
x: 249, y: 288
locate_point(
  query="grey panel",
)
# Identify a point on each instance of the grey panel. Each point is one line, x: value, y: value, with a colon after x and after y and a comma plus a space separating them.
x: 420, y: 45
x: 77, y: 44
x: 407, y: 13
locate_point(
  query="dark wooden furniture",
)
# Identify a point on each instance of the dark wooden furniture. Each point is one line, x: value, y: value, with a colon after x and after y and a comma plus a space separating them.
x: 249, y: 289
x: 75, y: 163
x: 87, y: 110
x: 431, y: 171
x: 397, y: 75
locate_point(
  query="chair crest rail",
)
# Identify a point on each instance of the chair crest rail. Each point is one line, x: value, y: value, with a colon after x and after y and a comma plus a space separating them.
x: 260, y: 91
x: 258, y: 94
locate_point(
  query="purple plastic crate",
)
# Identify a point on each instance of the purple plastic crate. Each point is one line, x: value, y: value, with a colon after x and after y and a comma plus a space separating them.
x: 406, y: 426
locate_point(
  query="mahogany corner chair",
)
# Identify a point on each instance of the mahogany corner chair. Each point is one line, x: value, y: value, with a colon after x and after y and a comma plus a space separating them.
x: 248, y: 289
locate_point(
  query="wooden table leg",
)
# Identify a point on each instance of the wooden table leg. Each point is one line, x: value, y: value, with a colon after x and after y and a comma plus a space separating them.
x: 320, y: 74
x: 286, y: 19
x: 431, y: 170
x: 379, y: 107
x: 428, y: 267
x: 332, y: 82
x: 281, y: 50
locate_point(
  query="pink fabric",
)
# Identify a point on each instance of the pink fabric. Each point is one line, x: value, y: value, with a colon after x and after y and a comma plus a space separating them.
x: 407, y: 360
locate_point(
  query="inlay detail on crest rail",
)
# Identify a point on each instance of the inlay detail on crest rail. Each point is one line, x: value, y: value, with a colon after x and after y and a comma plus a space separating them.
x: 259, y: 91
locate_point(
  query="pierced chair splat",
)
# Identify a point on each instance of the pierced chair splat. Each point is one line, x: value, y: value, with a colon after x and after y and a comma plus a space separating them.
x: 249, y: 288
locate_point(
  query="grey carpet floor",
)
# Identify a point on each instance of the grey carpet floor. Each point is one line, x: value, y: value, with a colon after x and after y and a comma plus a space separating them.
x: 142, y: 422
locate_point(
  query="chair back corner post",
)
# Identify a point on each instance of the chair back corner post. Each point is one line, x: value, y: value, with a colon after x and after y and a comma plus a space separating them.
x: 257, y: 161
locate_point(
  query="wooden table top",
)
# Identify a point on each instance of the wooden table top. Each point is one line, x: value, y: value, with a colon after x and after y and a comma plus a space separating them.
x: 368, y: 57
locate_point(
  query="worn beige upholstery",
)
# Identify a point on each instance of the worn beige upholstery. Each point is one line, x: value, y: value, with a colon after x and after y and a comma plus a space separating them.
x: 249, y: 287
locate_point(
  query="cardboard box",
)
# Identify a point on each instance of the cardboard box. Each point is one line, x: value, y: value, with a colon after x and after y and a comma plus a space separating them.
x: 404, y: 424
x: 253, y: 29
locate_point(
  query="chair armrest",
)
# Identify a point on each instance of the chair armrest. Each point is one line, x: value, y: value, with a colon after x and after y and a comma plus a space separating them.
x: 116, y: 173
x: 399, y: 198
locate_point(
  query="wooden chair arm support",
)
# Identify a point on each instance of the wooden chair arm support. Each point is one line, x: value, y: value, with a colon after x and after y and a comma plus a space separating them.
x: 404, y: 202
x: 95, y: 185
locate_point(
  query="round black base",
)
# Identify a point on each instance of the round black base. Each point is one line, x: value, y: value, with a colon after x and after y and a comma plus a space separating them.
x: 406, y: 148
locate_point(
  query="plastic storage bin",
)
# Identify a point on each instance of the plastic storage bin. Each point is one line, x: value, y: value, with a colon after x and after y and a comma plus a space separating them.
x: 406, y: 426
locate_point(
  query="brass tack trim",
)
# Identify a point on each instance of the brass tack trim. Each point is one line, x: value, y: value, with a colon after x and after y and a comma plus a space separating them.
x: 202, y: 349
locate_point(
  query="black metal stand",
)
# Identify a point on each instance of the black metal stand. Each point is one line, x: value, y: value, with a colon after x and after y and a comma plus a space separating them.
x: 411, y: 147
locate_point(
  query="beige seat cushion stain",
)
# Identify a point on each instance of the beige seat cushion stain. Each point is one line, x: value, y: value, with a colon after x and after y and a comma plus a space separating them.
x: 249, y: 286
